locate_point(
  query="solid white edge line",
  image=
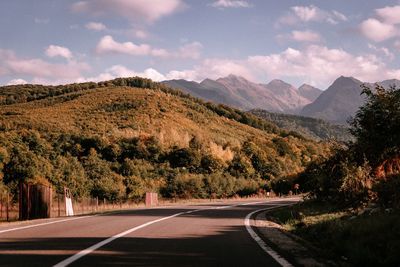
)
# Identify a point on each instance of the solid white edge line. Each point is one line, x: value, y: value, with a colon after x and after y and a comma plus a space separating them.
x: 278, y: 258
x: 96, y: 246
x: 46, y: 223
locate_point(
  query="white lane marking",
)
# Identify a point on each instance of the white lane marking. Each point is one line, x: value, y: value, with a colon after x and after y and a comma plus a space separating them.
x: 278, y: 258
x: 46, y: 223
x: 96, y: 246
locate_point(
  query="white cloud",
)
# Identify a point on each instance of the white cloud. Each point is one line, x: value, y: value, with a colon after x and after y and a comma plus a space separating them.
x: 121, y: 71
x: 230, y: 4
x: 209, y: 68
x: 311, y: 14
x: 118, y: 71
x: 377, y: 31
x: 189, y: 75
x: 305, y: 36
x: 316, y: 64
x: 141, y: 34
x: 17, y: 81
x: 307, y: 13
x: 96, y: 26
x: 301, y: 36
x: 215, y: 68
x: 339, y: 16
x: 58, y: 51
x: 12, y: 65
x: 389, y: 14
x: 190, y: 50
x: 321, y: 65
x: 107, y: 45
x: 384, y: 50
x: 134, y: 10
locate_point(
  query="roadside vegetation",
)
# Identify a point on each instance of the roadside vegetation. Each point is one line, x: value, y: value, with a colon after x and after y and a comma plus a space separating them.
x: 119, y: 139
x: 353, y: 206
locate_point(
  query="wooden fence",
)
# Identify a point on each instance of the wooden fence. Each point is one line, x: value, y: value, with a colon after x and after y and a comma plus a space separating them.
x: 34, y: 201
x: 39, y: 201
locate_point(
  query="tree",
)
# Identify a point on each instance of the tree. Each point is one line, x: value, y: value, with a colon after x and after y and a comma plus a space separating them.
x: 376, y: 126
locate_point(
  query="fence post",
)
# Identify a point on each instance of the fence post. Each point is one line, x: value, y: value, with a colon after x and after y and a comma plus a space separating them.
x: 7, y: 206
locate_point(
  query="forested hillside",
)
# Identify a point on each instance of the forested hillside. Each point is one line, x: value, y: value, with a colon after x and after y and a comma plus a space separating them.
x: 317, y: 129
x: 121, y: 138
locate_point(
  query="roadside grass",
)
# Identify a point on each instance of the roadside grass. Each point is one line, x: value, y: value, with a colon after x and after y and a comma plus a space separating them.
x: 342, y: 236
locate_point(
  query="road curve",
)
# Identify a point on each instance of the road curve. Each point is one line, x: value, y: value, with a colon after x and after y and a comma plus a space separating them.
x: 210, y: 234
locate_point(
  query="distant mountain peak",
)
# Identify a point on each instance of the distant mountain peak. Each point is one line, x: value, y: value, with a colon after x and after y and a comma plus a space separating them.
x: 308, y: 91
x: 234, y: 77
x: 347, y: 79
x: 280, y: 84
x: 307, y: 87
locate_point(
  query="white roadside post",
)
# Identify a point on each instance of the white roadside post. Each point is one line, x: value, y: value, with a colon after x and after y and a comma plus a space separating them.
x: 69, y: 211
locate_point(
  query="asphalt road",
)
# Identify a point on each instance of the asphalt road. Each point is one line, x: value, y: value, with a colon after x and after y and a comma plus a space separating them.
x: 211, y: 234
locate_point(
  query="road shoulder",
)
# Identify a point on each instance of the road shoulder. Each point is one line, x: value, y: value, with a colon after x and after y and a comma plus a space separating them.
x: 285, y: 243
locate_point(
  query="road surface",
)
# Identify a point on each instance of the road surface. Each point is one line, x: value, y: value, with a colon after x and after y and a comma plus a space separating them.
x: 211, y: 234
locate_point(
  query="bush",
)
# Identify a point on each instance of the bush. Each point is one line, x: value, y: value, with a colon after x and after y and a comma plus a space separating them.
x: 184, y: 185
x: 218, y: 185
x: 184, y: 157
x: 241, y: 166
x: 210, y: 164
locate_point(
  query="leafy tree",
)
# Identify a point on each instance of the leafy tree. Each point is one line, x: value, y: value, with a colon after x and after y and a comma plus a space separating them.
x: 69, y: 172
x: 376, y: 126
x: 105, y: 183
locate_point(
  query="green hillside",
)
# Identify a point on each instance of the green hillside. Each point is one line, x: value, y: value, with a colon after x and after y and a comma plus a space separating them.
x: 312, y: 128
x: 121, y: 138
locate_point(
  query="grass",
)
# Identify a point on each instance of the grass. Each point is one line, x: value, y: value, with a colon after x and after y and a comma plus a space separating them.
x: 348, y: 239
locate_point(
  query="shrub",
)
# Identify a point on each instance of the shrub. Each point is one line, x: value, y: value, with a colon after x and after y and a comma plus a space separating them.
x: 184, y: 157
x: 241, y: 166
x: 210, y: 164
x: 219, y: 184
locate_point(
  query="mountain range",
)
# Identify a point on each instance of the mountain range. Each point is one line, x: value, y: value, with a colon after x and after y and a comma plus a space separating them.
x: 236, y: 91
x: 337, y: 103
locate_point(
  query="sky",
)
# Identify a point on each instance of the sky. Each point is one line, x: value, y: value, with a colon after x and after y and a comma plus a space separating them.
x: 313, y: 42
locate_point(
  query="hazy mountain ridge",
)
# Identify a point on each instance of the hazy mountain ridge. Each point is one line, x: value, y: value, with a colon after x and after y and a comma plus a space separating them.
x: 341, y: 100
x: 236, y: 91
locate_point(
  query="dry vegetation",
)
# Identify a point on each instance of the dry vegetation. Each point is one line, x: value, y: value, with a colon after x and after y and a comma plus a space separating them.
x: 115, y: 140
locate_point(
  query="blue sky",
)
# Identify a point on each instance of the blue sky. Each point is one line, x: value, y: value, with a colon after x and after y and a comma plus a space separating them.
x: 60, y: 41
